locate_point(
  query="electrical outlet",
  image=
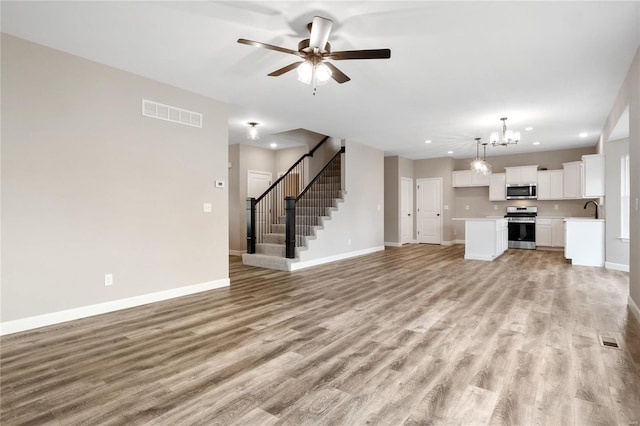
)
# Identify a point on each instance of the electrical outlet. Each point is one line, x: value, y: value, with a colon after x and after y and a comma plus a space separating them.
x: 108, y: 280
x: 495, y: 207
x: 446, y: 207
x: 207, y: 207
x: 555, y: 207
x: 466, y: 207
x: 349, y: 242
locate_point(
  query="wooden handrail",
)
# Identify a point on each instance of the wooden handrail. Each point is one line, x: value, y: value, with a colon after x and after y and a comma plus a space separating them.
x: 308, y: 154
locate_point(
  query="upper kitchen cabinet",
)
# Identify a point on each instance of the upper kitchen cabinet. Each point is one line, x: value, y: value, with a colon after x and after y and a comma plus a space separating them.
x: 584, y: 179
x: 464, y: 178
x: 593, y: 175
x: 497, y: 184
x: 550, y: 185
x: 572, y: 180
x: 522, y: 174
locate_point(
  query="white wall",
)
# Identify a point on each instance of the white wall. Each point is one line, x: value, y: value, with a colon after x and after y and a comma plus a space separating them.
x: 358, y: 225
x: 90, y: 186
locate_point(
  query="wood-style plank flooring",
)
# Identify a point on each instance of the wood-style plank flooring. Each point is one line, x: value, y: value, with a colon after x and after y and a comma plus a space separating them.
x: 412, y: 335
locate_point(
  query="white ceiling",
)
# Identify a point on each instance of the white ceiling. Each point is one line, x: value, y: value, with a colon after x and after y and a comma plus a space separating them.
x: 455, y: 67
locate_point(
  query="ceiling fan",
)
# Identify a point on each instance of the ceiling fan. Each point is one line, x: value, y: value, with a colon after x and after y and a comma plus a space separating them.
x: 314, y: 52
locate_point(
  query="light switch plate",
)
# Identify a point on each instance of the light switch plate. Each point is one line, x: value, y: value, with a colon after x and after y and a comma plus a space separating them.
x: 207, y: 207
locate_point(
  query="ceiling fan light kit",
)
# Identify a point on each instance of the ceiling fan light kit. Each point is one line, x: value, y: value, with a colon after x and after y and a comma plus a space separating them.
x: 315, y: 51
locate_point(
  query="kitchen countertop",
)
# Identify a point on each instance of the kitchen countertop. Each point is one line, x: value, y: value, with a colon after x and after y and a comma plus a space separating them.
x: 583, y: 219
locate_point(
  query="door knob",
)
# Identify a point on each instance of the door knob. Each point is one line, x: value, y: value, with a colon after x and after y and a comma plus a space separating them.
x: 438, y: 214
x: 408, y: 214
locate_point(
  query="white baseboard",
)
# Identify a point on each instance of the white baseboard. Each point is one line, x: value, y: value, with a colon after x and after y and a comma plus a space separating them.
x: 390, y: 244
x: 449, y: 243
x: 634, y: 308
x: 484, y: 257
x: 314, y: 262
x: 458, y: 241
x: 616, y: 266
x: 23, y: 324
x: 236, y: 252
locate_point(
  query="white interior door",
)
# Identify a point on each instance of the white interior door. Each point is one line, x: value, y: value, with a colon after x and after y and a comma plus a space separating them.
x: 429, y: 210
x: 257, y: 183
x: 406, y: 210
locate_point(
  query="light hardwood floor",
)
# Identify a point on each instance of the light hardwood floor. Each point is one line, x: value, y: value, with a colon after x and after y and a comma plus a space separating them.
x: 412, y: 335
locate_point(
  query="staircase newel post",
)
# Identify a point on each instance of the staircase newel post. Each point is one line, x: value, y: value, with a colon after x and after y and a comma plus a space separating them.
x: 290, y: 230
x: 251, y: 225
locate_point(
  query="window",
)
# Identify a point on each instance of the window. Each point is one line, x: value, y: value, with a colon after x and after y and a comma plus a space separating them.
x: 625, y: 196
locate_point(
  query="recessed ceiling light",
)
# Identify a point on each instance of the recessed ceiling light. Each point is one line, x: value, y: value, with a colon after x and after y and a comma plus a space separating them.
x: 584, y: 134
x: 449, y: 152
x: 427, y: 141
x: 273, y: 144
x: 528, y: 129
x: 536, y: 143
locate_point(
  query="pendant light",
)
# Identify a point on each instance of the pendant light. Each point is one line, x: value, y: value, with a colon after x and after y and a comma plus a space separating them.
x: 479, y: 165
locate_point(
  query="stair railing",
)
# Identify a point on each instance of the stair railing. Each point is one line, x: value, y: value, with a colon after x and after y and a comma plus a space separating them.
x: 304, y: 212
x: 264, y: 211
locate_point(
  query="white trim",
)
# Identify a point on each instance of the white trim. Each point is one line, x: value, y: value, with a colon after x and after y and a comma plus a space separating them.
x: 236, y: 252
x: 23, y: 324
x: 449, y: 243
x: 485, y: 257
x: 294, y: 266
x: 634, y: 308
x: 624, y: 239
x: 390, y: 244
x: 459, y: 241
x: 616, y: 266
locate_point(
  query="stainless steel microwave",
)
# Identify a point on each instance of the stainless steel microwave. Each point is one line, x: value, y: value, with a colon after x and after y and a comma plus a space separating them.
x: 521, y: 191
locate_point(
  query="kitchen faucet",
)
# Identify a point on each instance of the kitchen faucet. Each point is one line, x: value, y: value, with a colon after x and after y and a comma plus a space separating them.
x: 594, y: 203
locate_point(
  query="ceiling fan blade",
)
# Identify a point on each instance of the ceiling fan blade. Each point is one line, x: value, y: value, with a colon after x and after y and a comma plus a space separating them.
x: 268, y: 46
x: 360, y: 54
x: 285, y: 69
x: 336, y: 74
x: 320, y: 30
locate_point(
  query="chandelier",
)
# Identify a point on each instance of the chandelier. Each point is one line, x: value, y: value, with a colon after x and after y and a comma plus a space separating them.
x: 480, y: 165
x: 508, y: 137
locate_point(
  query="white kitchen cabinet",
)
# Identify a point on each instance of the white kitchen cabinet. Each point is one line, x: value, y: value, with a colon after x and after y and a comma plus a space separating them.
x: 550, y: 185
x: 550, y: 232
x: 557, y: 232
x: 497, y: 185
x: 543, y: 232
x: 593, y: 175
x: 521, y: 174
x: 466, y: 178
x: 572, y: 180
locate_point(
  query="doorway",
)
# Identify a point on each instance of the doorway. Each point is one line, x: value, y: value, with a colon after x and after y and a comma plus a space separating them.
x: 406, y: 210
x: 429, y: 210
x: 257, y: 183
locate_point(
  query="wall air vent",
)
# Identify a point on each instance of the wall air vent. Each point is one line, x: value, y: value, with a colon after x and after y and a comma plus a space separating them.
x: 170, y: 113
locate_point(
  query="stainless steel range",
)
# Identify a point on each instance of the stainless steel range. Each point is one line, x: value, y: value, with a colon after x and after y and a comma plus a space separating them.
x: 522, y: 227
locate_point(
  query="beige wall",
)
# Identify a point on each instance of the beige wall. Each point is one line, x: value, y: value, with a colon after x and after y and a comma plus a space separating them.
x: 235, y: 205
x: 629, y: 95
x: 358, y: 224
x: 90, y: 186
x: 391, y: 200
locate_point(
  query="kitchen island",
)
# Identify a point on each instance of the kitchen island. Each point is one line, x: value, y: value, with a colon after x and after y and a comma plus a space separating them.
x: 485, y: 238
x: 584, y: 241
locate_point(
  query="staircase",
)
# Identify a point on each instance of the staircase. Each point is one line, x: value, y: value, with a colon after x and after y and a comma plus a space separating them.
x: 289, y: 222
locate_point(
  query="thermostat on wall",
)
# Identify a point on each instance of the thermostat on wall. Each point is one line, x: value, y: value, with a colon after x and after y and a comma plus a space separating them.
x: 219, y: 184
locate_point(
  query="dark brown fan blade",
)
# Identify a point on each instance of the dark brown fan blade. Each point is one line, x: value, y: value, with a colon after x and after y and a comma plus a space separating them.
x: 360, y: 54
x: 336, y: 74
x: 285, y: 69
x: 268, y: 46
